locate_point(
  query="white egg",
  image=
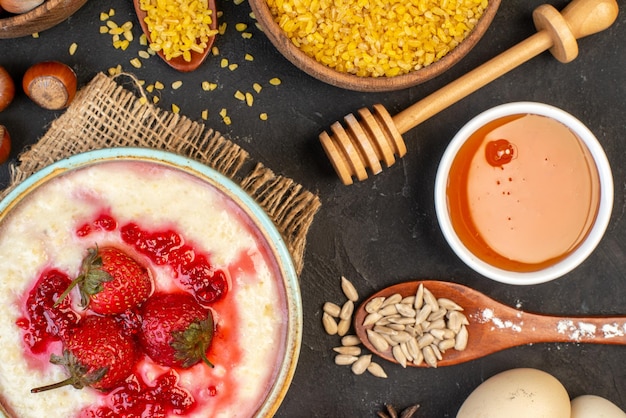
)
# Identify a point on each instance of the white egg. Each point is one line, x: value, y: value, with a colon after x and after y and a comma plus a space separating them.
x: 592, y: 406
x: 518, y: 393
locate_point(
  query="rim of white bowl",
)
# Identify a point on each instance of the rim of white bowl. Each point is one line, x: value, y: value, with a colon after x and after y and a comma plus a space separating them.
x: 266, y: 226
x: 604, y: 209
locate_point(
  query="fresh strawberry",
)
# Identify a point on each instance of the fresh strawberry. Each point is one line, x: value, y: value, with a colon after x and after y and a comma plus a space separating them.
x: 97, y: 354
x: 176, y: 331
x: 111, y: 281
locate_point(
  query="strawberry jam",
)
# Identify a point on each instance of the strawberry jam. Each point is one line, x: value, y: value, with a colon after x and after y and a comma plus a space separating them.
x: 45, y: 322
x: 136, y: 399
x: 192, y: 269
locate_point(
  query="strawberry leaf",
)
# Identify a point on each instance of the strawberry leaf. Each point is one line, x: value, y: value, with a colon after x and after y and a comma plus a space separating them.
x: 191, y: 344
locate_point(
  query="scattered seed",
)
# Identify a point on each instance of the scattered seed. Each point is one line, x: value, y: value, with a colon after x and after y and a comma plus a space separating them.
x: 345, y: 360
x: 376, y: 370
x: 351, y: 350
x: 275, y: 81
x: 177, y: 84
x: 332, y: 309
x: 409, y: 412
x: 359, y: 366
x: 350, y: 340
x: 263, y: 116
x: 73, y: 48
x: 330, y: 325
x: 343, y: 327
x: 347, y: 310
x: 349, y: 290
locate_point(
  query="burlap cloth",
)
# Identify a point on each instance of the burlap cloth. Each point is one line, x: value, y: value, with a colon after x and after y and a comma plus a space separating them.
x: 104, y: 114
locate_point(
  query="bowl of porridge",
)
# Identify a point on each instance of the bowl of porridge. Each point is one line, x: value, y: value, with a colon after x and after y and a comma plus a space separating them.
x: 192, y: 233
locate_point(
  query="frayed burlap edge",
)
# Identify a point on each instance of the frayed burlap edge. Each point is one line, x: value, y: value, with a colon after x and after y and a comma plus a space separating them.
x: 104, y: 114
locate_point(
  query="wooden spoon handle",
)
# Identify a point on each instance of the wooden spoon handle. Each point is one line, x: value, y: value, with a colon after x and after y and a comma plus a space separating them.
x: 556, y: 31
x: 514, y: 328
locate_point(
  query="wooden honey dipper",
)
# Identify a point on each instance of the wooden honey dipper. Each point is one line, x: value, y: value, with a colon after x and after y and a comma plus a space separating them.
x: 377, y: 136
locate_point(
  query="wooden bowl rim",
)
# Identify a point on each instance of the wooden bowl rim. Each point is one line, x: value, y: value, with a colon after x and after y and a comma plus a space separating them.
x: 367, y: 84
x: 42, y: 17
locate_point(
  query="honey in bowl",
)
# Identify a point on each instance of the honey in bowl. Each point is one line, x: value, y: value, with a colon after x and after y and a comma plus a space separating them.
x: 523, y: 192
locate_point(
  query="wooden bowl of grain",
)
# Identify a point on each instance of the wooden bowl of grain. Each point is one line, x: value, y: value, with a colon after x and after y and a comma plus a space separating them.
x: 44, y: 16
x: 373, y: 45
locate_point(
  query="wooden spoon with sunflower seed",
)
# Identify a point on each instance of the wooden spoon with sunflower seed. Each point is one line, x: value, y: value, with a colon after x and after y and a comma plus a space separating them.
x: 186, y: 54
x: 463, y: 325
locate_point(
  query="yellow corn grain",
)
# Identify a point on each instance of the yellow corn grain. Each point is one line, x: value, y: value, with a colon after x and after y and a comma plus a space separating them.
x: 178, y: 27
x: 223, y: 63
x: 248, y: 57
x: 240, y: 27
x: 263, y: 116
x: 240, y: 96
x: 104, y: 17
x: 376, y: 38
x: 205, y: 114
x: 144, y: 54
x: 155, y: 99
x: 215, y: 51
x: 275, y: 81
x: 249, y: 99
x: 177, y: 84
x: 246, y: 35
x: 158, y: 85
x: 104, y: 29
x: 233, y: 67
x: 143, y: 39
x: 143, y: 100
x: 73, y: 48
x: 175, y: 109
x: 111, y: 12
x: 257, y: 87
x: 150, y: 88
x: 135, y: 62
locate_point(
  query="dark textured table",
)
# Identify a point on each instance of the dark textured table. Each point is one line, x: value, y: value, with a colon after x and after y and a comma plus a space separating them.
x: 384, y: 230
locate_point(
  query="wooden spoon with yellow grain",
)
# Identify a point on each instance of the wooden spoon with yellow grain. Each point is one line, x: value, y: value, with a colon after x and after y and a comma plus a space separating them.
x: 490, y: 325
x: 162, y: 27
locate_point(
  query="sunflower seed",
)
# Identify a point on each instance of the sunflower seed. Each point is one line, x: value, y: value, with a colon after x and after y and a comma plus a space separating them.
x: 388, y: 310
x: 402, y: 321
x: 399, y: 355
x: 345, y: 359
x: 359, y: 366
x: 410, y: 411
x: 385, y: 330
x: 419, y: 297
x: 423, y: 314
x: 448, y: 304
x: 437, y: 333
x: 446, y: 344
x: 374, y: 304
x: 405, y: 350
x: 392, y: 300
x: 431, y: 300
x: 401, y: 337
x: 406, y: 310
x: 438, y: 324
x: 332, y: 309
x: 461, y: 339
x: 436, y: 351
x: 350, y: 350
x: 347, y: 310
x: 425, y: 340
x: 379, y: 343
x: 376, y: 370
x: 343, y: 327
x: 394, y: 326
x: 330, y: 325
x: 418, y: 359
x: 371, y: 319
x: 438, y: 314
x: 350, y: 340
x: 408, y: 300
x: 349, y: 290
x: 429, y: 356
x: 413, y: 349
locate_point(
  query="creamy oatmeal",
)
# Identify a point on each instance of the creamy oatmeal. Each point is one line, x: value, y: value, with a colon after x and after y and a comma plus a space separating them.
x: 53, y: 227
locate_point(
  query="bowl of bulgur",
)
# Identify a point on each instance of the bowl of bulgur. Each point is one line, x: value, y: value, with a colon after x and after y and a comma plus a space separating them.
x: 46, y: 15
x: 374, y: 45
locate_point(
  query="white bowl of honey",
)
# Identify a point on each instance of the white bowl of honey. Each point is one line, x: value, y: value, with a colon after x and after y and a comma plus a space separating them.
x: 524, y: 193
